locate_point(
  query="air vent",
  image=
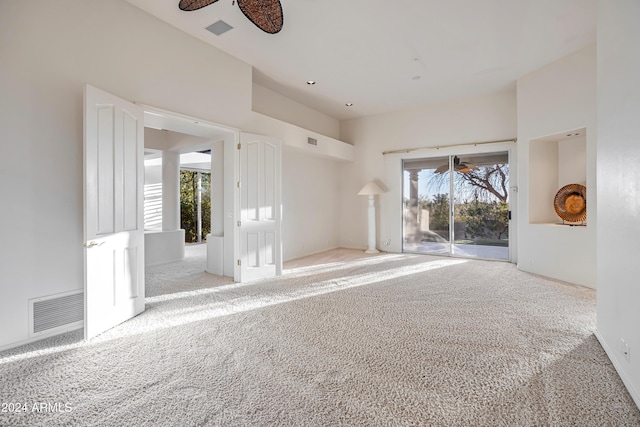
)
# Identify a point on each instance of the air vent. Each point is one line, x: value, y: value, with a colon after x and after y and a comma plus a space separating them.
x: 312, y: 141
x: 219, y: 27
x: 56, y: 313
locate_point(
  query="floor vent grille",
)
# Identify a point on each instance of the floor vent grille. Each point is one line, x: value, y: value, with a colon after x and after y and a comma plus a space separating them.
x: 56, y: 313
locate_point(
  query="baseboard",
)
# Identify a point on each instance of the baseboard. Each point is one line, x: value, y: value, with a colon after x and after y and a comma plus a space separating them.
x: 383, y: 249
x: 305, y: 254
x: 616, y: 364
x: 38, y: 338
x: 355, y: 248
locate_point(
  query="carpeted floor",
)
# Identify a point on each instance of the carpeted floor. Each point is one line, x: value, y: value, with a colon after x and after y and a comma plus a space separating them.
x: 342, y: 338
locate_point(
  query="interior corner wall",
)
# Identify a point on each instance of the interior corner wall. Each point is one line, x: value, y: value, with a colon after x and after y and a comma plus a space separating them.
x: 555, y: 99
x: 618, y: 316
x: 272, y: 104
x: 49, y: 51
x: 484, y: 118
x: 310, y: 186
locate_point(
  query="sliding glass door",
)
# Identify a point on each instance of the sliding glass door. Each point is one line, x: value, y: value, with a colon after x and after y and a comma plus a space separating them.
x: 426, y: 206
x: 457, y: 205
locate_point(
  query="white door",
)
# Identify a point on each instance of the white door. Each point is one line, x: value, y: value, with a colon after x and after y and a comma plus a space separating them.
x: 113, y: 205
x: 260, y: 210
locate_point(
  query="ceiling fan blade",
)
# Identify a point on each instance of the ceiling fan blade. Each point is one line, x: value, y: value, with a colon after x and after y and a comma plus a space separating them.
x: 469, y: 165
x: 265, y: 14
x: 442, y: 169
x: 189, y: 5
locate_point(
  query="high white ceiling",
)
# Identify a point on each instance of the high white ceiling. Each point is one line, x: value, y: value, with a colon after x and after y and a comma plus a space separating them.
x: 390, y: 55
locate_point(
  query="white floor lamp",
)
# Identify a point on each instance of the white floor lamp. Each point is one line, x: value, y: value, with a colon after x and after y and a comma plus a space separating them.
x: 371, y: 189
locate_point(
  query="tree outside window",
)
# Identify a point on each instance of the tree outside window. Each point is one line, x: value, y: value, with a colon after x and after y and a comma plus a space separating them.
x: 189, y: 204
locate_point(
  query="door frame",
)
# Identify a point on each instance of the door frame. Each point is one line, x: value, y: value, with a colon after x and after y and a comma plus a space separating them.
x: 391, y: 229
x: 159, y: 118
x: 169, y: 120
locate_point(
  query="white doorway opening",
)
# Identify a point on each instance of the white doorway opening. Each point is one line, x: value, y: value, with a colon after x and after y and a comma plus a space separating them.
x: 182, y: 142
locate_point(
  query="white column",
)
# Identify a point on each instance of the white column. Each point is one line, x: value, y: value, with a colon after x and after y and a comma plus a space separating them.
x: 170, y: 191
x: 372, y: 226
x: 217, y: 189
x: 413, y: 230
x: 217, y: 249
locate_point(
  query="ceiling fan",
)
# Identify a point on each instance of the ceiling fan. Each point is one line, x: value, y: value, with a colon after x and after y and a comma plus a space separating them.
x: 458, y: 166
x: 265, y: 14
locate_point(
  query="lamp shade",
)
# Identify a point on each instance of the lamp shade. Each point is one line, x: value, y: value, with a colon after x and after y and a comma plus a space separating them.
x: 370, y: 189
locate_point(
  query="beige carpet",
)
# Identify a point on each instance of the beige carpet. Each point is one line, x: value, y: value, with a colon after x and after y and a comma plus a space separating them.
x: 340, y: 339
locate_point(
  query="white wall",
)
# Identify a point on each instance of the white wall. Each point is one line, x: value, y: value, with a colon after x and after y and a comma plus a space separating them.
x: 310, y: 187
x: 152, y: 173
x: 49, y: 51
x: 619, y: 185
x: 554, y: 100
x: 484, y: 118
x: 161, y: 247
x: 272, y: 104
x: 297, y: 137
x: 572, y: 153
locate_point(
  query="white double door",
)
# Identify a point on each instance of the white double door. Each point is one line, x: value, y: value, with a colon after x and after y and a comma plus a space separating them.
x: 259, y: 192
x: 113, y: 210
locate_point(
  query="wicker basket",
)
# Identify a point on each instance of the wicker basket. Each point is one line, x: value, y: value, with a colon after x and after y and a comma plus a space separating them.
x: 570, y: 203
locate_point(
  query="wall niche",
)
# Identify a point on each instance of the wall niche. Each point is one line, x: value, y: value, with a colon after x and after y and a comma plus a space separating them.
x: 554, y: 161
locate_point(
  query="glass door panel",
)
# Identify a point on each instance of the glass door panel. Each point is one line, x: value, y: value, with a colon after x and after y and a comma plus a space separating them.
x: 470, y: 189
x: 481, y: 206
x: 426, y: 198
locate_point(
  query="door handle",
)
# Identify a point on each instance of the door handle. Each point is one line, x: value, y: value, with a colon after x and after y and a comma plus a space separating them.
x: 91, y: 244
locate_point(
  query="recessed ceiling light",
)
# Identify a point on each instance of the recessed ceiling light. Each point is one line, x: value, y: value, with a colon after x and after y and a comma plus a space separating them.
x: 416, y: 77
x: 349, y: 104
x: 311, y: 82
